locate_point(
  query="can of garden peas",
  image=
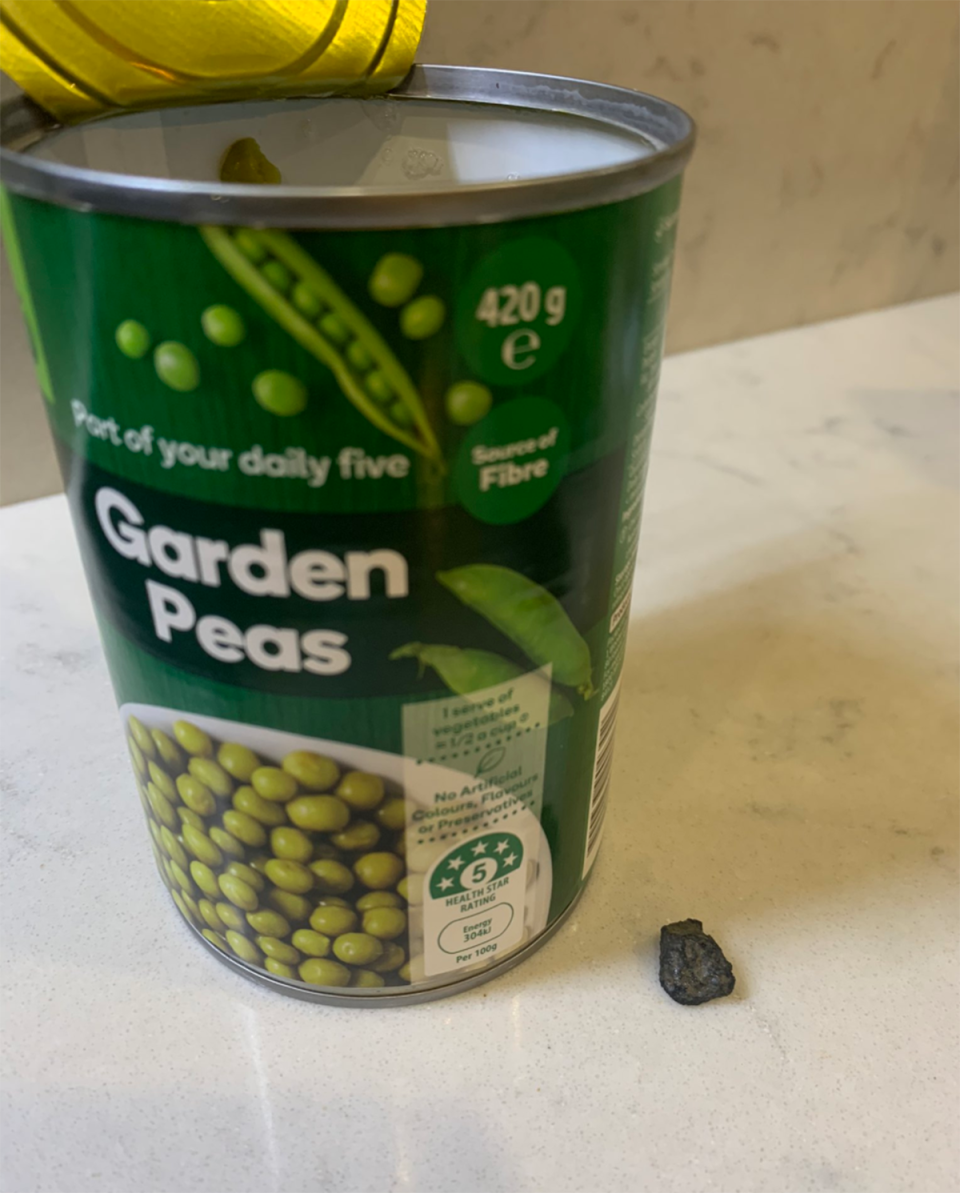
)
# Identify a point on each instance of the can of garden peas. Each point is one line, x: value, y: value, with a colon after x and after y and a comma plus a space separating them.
x: 355, y: 452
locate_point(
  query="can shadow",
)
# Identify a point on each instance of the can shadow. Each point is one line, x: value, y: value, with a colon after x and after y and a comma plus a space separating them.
x: 777, y: 756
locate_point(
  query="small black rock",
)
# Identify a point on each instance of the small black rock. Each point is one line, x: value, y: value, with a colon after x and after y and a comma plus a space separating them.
x: 693, y: 968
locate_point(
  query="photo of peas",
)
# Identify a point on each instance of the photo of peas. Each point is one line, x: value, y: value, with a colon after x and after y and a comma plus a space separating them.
x: 294, y: 865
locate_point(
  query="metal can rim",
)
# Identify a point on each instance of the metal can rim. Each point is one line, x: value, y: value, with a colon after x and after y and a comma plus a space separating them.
x: 660, y: 123
x: 394, y: 996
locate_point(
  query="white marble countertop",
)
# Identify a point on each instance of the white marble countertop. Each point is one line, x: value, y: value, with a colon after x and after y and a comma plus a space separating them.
x: 786, y: 771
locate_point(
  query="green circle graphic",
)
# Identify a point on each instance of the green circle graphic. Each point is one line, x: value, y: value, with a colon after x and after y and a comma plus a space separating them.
x: 516, y: 314
x: 473, y: 865
x: 512, y: 461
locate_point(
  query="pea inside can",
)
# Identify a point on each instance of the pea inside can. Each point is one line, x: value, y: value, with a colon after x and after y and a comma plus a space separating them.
x: 359, y: 479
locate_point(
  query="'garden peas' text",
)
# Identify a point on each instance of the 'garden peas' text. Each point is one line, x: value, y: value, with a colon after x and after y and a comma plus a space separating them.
x: 260, y: 569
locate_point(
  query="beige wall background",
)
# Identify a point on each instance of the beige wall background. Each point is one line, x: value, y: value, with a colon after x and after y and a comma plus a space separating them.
x: 826, y: 179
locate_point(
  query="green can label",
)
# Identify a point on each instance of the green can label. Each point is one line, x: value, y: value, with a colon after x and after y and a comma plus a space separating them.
x: 359, y: 513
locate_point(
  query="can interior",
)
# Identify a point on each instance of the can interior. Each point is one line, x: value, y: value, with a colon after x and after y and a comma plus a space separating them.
x: 388, y: 145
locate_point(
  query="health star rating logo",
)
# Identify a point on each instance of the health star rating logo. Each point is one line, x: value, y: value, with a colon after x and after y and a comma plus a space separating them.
x: 475, y: 863
x: 457, y: 862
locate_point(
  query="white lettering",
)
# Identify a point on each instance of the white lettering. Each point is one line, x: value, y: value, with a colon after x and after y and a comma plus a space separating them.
x: 361, y: 563
x: 173, y: 553
x: 285, y: 655
x: 168, y: 452
x: 316, y: 575
x: 270, y: 558
x: 504, y: 476
x: 220, y: 638
x: 170, y: 610
x: 518, y: 349
x: 211, y: 553
x: 325, y: 656
x: 126, y: 541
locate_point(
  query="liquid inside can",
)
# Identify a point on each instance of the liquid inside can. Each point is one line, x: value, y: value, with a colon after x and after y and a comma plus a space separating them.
x: 356, y: 462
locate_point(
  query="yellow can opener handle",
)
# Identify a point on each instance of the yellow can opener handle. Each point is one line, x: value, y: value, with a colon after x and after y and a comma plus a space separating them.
x: 77, y: 58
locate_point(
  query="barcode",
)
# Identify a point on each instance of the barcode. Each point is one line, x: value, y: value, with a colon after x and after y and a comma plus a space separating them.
x: 602, y: 769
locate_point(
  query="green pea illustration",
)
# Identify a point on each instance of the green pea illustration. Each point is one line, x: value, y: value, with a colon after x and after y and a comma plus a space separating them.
x: 467, y: 670
x: 394, y: 279
x: 279, y: 393
x: 132, y: 339
x: 249, y: 244
x: 277, y: 275
x: 400, y: 414
x: 378, y: 387
x: 176, y: 366
x: 223, y: 326
x: 334, y: 328
x: 305, y: 301
x: 467, y: 402
x: 423, y: 317
x: 359, y: 356
x: 529, y: 616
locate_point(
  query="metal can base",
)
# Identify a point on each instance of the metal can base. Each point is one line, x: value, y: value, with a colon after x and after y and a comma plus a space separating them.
x: 392, y: 997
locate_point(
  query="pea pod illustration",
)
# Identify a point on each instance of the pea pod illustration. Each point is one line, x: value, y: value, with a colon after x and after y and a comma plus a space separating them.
x: 302, y: 297
x: 529, y: 616
x: 465, y: 670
